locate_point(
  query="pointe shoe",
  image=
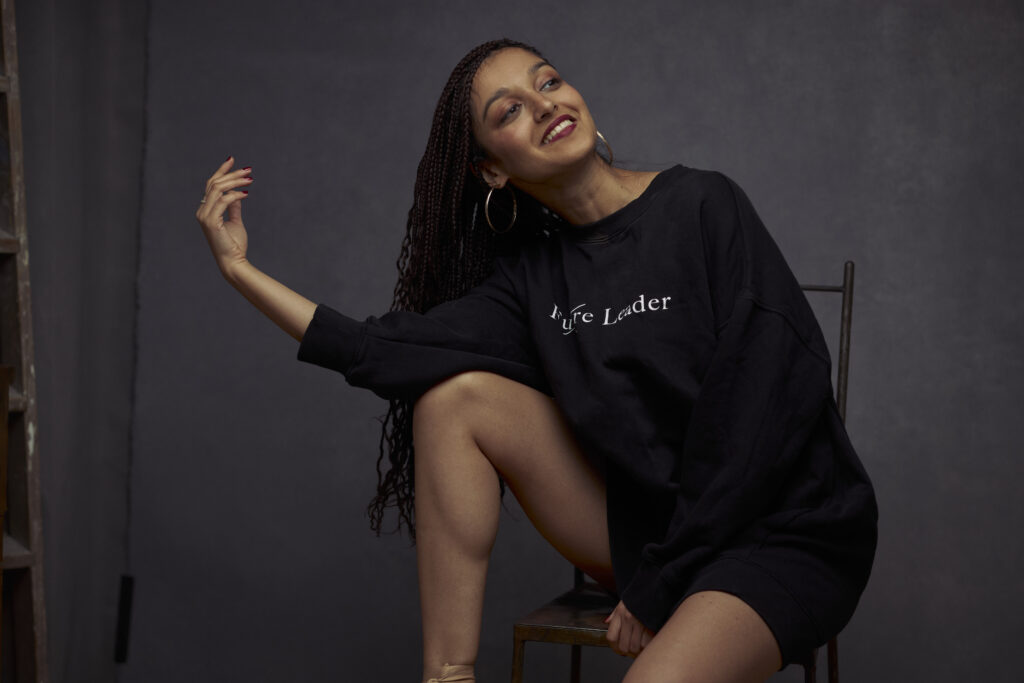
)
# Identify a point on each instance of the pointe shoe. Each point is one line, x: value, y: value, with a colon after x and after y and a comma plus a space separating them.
x: 455, y: 673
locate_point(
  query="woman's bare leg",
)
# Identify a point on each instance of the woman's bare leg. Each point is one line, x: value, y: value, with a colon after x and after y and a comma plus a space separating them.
x: 712, y: 637
x: 465, y: 429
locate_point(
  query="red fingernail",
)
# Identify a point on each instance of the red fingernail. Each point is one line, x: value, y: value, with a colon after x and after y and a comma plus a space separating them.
x: 247, y: 168
x: 229, y: 156
x: 245, y: 191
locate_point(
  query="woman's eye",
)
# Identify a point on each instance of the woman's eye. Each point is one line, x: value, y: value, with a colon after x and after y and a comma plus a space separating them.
x: 510, y: 111
x: 551, y: 83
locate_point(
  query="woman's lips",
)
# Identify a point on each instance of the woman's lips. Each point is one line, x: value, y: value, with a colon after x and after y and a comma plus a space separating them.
x: 558, y: 129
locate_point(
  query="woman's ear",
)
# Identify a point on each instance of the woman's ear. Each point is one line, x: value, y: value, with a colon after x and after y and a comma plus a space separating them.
x: 492, y: 174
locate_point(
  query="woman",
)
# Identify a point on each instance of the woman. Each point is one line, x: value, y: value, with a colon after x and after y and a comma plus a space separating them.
x: 691, y: 459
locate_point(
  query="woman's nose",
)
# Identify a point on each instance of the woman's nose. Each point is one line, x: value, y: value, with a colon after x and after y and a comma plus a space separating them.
x: 544, y: 107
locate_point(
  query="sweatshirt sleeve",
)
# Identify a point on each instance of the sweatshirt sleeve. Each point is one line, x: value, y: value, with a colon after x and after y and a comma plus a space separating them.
x: 765, y: 388
x: 401, y: 354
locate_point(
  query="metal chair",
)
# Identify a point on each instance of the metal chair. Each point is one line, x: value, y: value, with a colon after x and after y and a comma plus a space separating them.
x: 576, y: 617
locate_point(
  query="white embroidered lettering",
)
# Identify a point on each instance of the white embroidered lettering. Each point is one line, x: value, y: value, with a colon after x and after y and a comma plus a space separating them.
x: 580, y: 316
x: 575, y: 315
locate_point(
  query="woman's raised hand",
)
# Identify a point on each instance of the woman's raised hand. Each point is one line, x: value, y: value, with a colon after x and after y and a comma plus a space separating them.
x: 228, y: 239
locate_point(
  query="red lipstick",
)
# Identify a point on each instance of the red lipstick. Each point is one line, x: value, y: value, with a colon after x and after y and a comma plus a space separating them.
x: 562, y: 130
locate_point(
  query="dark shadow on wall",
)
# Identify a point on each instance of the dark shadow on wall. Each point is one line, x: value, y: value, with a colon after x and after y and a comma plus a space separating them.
x: 82, y: 84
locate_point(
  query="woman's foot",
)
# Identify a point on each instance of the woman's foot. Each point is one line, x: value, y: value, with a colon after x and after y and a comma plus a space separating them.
x: 452, y: 673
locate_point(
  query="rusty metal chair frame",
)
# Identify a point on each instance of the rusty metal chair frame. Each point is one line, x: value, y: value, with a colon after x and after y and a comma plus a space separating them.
x: 576, y: 617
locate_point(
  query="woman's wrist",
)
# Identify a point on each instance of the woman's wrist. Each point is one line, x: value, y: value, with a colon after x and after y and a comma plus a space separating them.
x: 234, y: 271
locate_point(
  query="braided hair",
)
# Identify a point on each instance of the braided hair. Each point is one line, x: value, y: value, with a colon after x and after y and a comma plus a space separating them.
x: 448, y: 248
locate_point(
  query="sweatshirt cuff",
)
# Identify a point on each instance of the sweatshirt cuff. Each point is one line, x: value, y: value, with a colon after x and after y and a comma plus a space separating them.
x: 332, y: 340
x: 648, y: 597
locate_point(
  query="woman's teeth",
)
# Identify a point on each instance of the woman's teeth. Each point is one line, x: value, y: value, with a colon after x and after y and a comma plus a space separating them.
x: 556, y: 130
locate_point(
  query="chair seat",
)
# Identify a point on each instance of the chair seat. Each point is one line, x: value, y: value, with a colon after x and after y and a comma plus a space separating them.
x: 575, y: 617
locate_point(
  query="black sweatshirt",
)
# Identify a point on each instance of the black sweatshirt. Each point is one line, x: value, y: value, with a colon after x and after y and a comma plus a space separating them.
x: 689, y: 364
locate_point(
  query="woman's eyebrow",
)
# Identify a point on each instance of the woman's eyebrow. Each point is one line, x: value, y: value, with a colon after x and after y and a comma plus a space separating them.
x: 498, y: 94
x: 501, y: 92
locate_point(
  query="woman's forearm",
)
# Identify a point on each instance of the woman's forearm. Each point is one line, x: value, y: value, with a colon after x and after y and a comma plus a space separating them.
x: 290, y: 310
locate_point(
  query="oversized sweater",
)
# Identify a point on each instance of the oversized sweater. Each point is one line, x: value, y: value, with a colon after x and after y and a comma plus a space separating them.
x: 690, y: 367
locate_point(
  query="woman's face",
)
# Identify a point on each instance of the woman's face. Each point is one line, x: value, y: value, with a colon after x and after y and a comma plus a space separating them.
x: 531, y: 123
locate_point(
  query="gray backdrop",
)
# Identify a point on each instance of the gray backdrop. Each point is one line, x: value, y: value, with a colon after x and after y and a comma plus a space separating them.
x: 884, y: 132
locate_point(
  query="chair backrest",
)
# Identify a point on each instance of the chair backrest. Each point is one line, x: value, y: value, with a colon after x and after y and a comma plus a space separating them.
x: 845, y: 322
x: 842, y: 382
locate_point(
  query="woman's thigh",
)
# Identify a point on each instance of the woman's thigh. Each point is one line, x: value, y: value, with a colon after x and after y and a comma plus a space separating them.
x: 525, y: 437
x: 712, y: 637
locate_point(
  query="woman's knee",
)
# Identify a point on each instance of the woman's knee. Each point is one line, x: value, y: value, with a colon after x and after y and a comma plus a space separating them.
x: 474, y: 397
x: 458, y: 391
x: 455, y: 410
x: 510, y: 422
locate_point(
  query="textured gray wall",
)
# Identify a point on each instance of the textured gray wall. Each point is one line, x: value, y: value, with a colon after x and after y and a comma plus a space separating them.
x: 884, y: 132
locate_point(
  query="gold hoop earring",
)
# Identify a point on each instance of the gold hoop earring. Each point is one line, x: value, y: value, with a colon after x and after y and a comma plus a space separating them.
x: 611, y: 154
x: 487, y: 212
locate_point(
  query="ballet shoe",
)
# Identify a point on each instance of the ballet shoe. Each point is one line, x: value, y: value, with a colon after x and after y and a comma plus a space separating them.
x: 458, y: 673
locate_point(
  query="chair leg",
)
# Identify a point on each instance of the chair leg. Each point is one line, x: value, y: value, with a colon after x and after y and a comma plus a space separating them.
x: 833, y: 661
x: 518, y: 653
x: 574, y: 667
x: 810, y: 673
x: 811, y: 668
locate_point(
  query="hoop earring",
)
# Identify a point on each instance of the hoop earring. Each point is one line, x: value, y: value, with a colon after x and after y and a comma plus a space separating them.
x: 487, y: 212
x: 611, y: 154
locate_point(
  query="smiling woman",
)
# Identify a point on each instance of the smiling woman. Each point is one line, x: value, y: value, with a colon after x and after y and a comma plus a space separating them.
x: 682, y: 448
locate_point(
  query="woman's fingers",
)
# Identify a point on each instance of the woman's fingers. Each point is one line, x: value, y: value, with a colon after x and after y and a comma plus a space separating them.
x: 635, y: 634
x: 221, y: 204
x: 628, y: 641
x: 235, y: 209
x: 238, y: 178
x: 221, y: 170
x: 210, y: 212
x: 618, y: 630
x: 217, y: 190
x: 614, y: 626
x: 223, y: 175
